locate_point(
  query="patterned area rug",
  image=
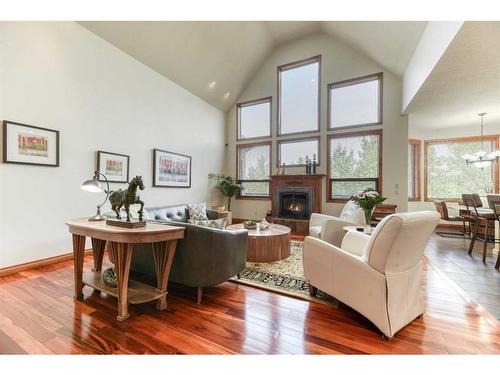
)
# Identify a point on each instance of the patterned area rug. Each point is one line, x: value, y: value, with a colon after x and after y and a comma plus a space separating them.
x: 285, y: 276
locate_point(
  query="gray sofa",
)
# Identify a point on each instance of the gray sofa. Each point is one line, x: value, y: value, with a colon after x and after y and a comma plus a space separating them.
x: 205, y: 257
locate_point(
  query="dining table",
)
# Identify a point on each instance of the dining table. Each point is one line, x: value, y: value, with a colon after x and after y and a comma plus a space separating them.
x: 459, y: 209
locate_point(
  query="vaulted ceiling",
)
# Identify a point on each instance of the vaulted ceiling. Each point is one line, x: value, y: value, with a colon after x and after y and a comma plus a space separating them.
x: 464, y: 82
x: 216, y: 60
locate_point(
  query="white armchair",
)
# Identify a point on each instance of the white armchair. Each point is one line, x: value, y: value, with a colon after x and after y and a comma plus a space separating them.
x: 378, y: 275
x: 329, y: 228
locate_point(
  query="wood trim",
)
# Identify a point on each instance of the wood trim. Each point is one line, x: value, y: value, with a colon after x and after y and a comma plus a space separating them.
x: 250, y: 103
x: 353, y: 81
x: 292, y: 65
x: 490, y: 138
x: 298, y: 140
x: 417, y: 147
x: 248, y: 145
x: 378, y: 132
x: 38, y: 263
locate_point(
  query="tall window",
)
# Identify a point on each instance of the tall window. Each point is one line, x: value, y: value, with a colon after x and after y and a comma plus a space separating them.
x: 414, y: 169
x: 254, y: 118
x: 355, y: 102
x: 447, y: 176
x: 294, y: 152
x: 298, y: 96
x: 254, y: 169
x: 355, y: 163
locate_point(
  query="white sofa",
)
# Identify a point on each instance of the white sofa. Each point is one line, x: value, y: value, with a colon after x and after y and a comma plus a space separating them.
x: 379, y: 275
x: 329, y: 228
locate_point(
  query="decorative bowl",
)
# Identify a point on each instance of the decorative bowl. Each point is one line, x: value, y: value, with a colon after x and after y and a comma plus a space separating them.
x: 250, y: 224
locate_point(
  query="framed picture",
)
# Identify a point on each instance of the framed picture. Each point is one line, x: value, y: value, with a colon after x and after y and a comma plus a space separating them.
x: 114, y: 166
x: 171, y: 169
x: 27, y: 144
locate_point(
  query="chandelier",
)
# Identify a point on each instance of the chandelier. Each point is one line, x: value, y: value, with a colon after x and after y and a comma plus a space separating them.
x: 481, y: 159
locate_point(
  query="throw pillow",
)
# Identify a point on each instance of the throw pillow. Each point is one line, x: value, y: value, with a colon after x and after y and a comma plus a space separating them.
x: 198, y: 211
x: 218, y: 223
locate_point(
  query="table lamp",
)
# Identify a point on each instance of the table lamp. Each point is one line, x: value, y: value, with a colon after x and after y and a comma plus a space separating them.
x: 95, y: 186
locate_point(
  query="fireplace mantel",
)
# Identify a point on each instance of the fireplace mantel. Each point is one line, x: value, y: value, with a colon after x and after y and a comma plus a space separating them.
x: 313, y: 181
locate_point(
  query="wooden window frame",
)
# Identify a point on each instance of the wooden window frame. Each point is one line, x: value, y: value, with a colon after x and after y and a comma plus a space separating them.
x: 293, y: 65
x: 378, y: 180
x: 353, y: 81
x: 417, y: 147
x: 298, y: 140
x: 489, y: 138
x: 248, y: 145
x: 249, y: 103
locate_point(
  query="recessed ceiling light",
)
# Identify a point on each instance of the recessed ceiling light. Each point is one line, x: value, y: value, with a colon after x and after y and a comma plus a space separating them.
x: 226, y: 95
x: 212, y: 84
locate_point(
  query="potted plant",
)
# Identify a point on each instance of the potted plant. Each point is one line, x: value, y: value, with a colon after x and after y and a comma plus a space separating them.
x: 226, y: 185
x: 367, y: 200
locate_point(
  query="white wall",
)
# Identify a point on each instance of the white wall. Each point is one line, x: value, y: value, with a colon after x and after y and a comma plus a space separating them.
x: 338, y: 62
x: 61, y: 76
x: 434, y: 41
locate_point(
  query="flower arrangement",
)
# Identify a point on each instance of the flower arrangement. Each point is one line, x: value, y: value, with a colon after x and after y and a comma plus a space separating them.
x: 367, y: 200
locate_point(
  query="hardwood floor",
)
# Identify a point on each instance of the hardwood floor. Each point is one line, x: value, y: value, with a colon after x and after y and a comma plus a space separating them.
x: 38, y: 315
x: 480, y: 281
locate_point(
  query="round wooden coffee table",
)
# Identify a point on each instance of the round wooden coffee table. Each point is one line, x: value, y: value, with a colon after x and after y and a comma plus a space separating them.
x: 266, y: 245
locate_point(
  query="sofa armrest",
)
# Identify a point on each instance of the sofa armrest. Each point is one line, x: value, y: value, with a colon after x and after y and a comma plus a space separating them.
x: 355, y: 242
x: 321, y: 258
x: 332, y: 231
x: 319, y: 219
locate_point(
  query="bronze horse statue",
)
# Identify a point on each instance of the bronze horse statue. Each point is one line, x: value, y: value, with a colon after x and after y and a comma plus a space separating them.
x: 127, y: 197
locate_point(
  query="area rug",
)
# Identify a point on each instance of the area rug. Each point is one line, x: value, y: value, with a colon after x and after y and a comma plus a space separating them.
x: 285, y: 276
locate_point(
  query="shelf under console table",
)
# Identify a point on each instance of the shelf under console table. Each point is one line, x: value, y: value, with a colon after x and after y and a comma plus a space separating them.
x: 120, y: 243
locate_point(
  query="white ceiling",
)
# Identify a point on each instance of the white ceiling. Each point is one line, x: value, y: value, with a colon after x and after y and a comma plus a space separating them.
x: 390, y: 44
x: 194, y: 54
x: 465, y: 82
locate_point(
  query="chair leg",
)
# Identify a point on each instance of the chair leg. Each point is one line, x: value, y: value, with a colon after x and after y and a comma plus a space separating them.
x: 486, y: 233
x: 497, y: 265
x: 313, y: 290
x: 473, y: 240
x: 200, y: 295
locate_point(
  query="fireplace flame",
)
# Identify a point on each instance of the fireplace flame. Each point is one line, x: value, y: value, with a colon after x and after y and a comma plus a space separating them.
x: 294, y: 207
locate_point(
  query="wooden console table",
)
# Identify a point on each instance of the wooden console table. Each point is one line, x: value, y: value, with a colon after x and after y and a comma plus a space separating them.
x: 120, y: 245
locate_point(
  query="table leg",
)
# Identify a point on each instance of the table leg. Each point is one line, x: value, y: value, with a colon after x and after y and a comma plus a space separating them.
x: 163, y: 254
x: 78, y: 253
x: 98, y: 253
x: 122, y: 253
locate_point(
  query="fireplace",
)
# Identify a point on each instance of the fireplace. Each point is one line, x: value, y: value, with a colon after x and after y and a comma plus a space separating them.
x: 293, y: 199
x: 294, y: 204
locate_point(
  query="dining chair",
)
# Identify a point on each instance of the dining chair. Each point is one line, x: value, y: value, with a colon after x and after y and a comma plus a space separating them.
x: 442, y: 209
x: 477, y: 200
x: 494, y: 204
x: 478, y: 214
